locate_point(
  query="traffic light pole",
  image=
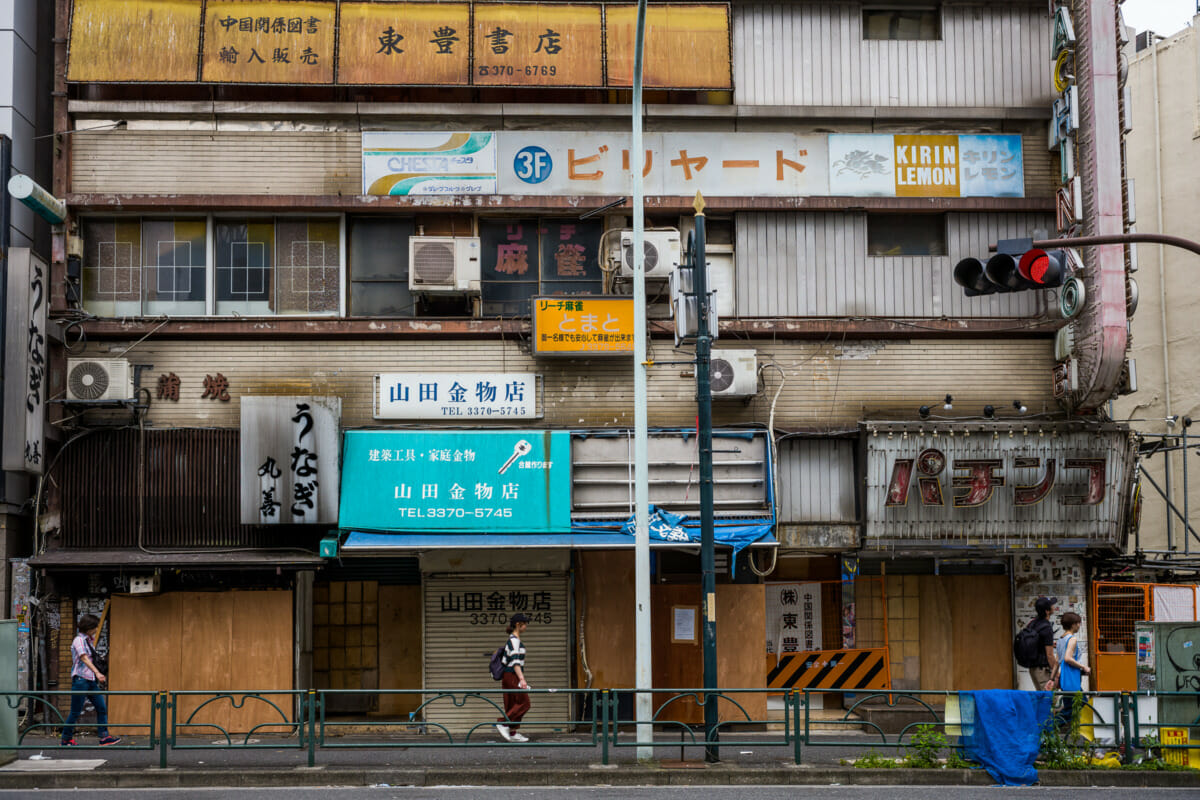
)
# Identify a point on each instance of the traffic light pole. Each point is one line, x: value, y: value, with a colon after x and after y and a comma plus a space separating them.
x: 1117, y: 238
x: 708, y: 580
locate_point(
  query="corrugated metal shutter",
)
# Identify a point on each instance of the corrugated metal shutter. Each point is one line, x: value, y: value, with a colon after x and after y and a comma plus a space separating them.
x: 816, y: 265
x: 981, y: 59
x: 461, y: 634
x: 816, y: 480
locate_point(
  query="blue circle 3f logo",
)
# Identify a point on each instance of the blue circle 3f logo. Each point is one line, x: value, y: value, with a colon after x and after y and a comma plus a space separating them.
x: 532, y: 164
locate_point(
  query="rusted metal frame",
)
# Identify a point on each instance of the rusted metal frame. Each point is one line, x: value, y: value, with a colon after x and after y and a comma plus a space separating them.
x: 109, y: 203
x: 443, y: 328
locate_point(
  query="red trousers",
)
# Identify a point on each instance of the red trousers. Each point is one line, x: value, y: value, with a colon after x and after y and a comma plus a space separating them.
x: 516, y: 704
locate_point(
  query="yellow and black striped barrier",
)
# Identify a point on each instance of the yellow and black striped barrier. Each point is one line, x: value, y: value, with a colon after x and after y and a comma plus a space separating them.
x: 831, y: 669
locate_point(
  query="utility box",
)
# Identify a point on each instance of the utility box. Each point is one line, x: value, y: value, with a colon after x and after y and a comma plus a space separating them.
x: 1168, y: 661
x: 145, y: 584
x: 8, y: 683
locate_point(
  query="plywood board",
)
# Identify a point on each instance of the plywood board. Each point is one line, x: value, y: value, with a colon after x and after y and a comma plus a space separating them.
x: 261, y: 649
x: 982, y: 631
x: 936, y: 635
x: 399, y: 647
x: 135, y: 665
x: 605, y: 600
x: 741, y: 639
x: 677, y: 665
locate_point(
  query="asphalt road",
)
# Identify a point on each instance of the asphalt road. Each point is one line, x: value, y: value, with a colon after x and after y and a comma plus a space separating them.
x: 615, y: 793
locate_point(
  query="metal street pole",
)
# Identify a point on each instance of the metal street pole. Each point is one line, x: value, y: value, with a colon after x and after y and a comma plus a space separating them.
x: 641, y: 492
x: 708, y: 579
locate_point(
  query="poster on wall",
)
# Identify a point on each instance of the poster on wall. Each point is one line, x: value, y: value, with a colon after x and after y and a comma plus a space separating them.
x: 1061, y: 578
x: 793, y: 617
x: 926, y: 165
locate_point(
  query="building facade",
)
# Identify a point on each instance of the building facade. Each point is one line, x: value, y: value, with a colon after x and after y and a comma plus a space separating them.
x: 329, y: 261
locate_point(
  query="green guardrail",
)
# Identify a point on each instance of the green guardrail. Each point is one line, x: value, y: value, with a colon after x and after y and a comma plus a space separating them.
x: 300, y: 719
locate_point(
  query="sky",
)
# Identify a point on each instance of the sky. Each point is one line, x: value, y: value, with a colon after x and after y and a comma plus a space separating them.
x: 1164, y: 17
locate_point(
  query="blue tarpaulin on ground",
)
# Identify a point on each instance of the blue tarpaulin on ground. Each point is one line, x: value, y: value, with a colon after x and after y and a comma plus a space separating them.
x: 1002, y: 731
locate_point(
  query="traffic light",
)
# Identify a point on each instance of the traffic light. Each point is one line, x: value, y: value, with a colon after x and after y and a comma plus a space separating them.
x: 1017, y: 266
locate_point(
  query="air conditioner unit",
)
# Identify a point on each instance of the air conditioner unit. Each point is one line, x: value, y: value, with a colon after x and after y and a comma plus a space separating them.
x: 662, y: 253
x: 443, y: 264
x: 733, y: 373
x: 97, y: 379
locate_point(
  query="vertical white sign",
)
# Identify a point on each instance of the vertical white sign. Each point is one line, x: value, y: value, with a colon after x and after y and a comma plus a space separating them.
x: 290, y: 460
x: 793, y: 617
x: 25, y: 363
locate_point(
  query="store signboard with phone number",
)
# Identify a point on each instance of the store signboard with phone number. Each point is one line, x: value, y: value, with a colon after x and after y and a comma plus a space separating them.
x: 456, y: 481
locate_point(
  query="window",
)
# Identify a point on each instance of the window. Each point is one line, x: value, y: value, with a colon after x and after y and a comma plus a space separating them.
x: 148, y: 266
x: 520, y: 258
x: 142, y: 267
x: 907, y: 24
x: 906, y: 235
x: 379, y: 267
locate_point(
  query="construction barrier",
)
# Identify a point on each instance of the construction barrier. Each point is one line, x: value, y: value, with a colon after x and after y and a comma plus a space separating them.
x: 851, y: 670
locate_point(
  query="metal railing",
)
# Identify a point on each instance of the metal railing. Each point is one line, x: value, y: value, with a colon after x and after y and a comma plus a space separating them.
x: 300, y: 720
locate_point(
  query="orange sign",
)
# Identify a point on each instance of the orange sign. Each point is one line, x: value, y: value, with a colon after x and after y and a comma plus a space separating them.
x: 686, y: 47
x: 538, y: 45
x: 926, y: 166
x: 134, y: 40
x: 576, y: 326
x: 269, y: 42
x: 405, y: 44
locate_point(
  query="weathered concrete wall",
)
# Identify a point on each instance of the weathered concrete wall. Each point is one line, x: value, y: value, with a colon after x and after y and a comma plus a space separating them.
x: 1164, y: 159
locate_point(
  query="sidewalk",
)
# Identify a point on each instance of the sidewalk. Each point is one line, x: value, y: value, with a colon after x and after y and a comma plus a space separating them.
x: 501, y: 765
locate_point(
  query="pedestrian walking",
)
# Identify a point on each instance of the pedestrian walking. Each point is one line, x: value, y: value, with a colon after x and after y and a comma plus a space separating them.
x: 1068, y: 674
x: 1033, y: 647
x: 87, y: 677
x: 516, y: 703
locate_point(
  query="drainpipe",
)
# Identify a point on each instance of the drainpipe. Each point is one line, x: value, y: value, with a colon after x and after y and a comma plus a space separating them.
x: 1162, y: 279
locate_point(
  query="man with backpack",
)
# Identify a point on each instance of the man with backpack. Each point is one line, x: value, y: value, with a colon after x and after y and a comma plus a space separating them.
x: 1034, y: 645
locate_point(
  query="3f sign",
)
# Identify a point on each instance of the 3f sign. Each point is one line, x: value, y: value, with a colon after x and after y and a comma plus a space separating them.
x: 532, y: 164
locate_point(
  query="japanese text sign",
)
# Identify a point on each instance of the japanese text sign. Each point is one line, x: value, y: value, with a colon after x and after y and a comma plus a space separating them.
x: 574, y: 325
x: 793, y: 617
x: 268, y: 42
x: 289, y: 460
x: 686, y: 46
x: 997, y: 484
x: 25, y: 363
x: 134, y: 40
x: 717, y: 164
x: 428, y: 163
x: 424, y: 44
x: 926, y: 165
x: 378, y: 42
x: 456, y: 395
x: 538, y: 45
x: 466, y: 481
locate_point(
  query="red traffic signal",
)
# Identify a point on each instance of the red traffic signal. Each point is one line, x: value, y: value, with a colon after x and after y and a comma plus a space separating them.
x: 1044, y: 268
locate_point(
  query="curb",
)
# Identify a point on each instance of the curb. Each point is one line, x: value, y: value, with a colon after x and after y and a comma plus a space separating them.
x: 626, y: 775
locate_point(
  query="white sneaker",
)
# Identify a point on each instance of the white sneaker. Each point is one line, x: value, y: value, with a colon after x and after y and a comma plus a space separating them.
x: 504, y: 734
x: 519, y: 737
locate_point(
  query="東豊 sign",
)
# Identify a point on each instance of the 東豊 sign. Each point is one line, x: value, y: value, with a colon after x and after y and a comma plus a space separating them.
x: 456, y: 395
x: 465, y: 481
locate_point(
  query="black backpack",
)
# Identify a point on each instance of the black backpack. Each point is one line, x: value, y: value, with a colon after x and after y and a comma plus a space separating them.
x: 497, y: 663
x: 1026, y: 646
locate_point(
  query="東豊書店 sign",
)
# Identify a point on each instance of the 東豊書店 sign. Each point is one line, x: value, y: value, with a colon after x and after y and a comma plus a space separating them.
x: 464, y: 481
x: 369, y: 43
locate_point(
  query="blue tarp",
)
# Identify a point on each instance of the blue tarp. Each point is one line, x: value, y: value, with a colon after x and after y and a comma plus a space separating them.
x: 675, y: 528
x: 1002, y: 731
x: 373, y: 542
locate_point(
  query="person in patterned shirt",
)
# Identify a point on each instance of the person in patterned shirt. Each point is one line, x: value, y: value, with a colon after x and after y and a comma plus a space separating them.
x: 516, y: 704
x: 87, y: 679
